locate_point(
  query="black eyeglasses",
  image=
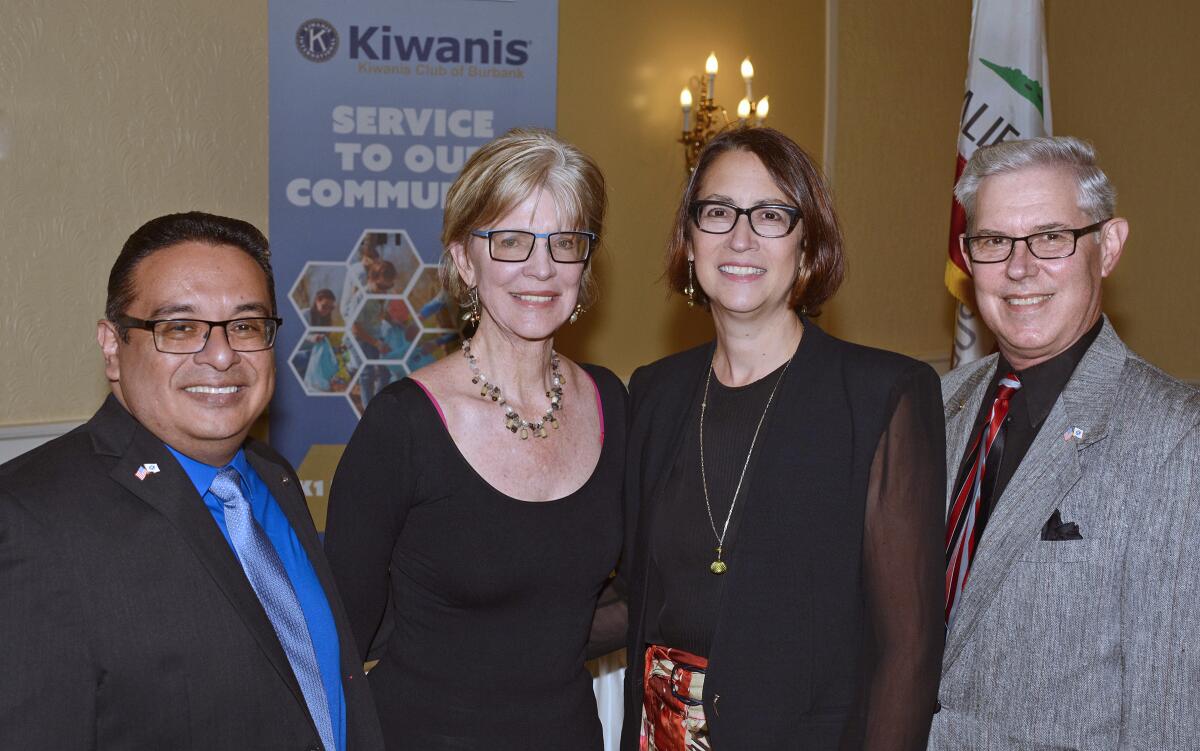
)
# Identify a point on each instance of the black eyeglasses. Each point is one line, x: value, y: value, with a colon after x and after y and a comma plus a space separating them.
x: 515, y: 246
x: 185, y: 336
x: 766, y: 220
x: 1048, y: 245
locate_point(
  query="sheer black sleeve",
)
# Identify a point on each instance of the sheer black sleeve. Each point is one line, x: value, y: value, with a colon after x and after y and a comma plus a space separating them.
x: 368, y: 502
x: 609, y: 624
x: 903, y: 566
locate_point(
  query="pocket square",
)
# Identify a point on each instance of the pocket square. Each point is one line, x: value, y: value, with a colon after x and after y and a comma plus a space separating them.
x: 1055, y: 530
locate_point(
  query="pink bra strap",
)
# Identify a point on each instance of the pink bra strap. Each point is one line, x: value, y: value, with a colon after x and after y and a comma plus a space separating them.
x: 437, y: 406
x: 599, y: 404
x: 442, y: 415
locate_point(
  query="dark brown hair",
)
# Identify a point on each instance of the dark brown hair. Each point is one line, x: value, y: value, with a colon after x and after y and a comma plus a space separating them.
x: 822, y: 261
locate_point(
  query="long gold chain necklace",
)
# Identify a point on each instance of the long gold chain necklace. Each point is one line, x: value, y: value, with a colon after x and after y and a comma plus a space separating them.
x: 719, y: 566
x: 513, y: 422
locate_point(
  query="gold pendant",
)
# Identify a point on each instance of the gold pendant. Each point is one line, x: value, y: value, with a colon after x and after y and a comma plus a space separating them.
x: 718, y: 567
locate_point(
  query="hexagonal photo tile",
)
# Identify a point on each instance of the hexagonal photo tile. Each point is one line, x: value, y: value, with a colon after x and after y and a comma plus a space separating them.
x: 325, y: 362
x: 384, y: 262
x: 435, y: 310
x: 432, y: 346
x: 317, y: 292
x: 385, y: 328
x: 371, y: 380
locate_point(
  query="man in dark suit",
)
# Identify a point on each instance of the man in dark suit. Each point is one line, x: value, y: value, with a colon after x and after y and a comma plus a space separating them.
x: 1073, y: 573
x: 161, y: 583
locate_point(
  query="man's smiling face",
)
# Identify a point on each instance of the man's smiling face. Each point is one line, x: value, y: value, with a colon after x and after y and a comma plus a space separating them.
x: 201, y: 404
x: 1038, y: 308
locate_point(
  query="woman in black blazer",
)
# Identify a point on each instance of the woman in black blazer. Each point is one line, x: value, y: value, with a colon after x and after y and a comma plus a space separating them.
x: 785, y: 490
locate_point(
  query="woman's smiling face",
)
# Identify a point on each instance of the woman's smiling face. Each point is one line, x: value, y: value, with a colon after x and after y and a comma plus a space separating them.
x: 739, y: 271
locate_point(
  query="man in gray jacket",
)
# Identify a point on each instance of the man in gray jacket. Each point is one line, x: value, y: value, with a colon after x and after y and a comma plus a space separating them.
x: 1073, y: 514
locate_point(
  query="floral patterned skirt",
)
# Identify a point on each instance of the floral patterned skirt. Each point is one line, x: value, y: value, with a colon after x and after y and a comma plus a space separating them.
x: 672, y: 712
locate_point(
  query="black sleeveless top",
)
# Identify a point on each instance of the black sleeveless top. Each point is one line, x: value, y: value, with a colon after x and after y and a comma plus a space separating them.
x: 488, y: 599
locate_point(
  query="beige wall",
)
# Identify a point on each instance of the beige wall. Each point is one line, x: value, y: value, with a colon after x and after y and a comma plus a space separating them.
x: 900, y: 72
x: 1124, y: 76
x: 111, y: 115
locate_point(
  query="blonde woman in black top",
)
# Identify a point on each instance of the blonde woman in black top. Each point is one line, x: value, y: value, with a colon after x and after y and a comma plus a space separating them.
x: 476, y: 512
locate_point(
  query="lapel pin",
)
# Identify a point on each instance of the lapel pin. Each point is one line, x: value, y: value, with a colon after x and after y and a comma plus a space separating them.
x: 145, y: 471
x: 1078, y: 433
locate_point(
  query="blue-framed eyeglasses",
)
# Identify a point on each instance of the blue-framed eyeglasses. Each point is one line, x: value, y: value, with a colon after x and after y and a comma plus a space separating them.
x: 515, y: 245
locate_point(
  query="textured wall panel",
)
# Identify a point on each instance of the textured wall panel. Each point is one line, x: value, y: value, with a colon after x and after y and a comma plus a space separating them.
x: 111, y: 113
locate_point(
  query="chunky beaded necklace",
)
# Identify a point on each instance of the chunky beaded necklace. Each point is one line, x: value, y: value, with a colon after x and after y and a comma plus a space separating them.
x: 513, y: 421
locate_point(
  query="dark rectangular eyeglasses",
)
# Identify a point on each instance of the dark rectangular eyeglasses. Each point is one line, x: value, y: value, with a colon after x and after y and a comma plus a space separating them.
x: 766, y: 220
x: 1048, y: 245
x: 187, y: 336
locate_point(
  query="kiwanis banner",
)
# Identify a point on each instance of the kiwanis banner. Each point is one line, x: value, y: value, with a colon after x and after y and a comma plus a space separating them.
x: 1008, y: 97
x: 375, y: 106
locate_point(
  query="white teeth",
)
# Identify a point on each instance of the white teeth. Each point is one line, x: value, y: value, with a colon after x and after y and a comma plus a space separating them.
x: 211, y: 389
x: 742, y: 270
x: 534, y: 298
x: 1027, y: 300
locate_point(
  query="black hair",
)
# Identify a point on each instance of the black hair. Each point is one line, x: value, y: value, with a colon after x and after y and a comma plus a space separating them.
x: 173, y: 229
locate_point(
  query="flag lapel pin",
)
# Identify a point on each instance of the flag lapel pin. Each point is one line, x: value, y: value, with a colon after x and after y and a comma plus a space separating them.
x: 145, y: 471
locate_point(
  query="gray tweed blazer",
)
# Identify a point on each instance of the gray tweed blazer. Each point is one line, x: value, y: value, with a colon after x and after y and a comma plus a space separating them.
x: 1091, y: 643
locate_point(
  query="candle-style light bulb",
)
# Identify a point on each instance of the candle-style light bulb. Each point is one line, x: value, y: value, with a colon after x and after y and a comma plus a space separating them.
x: 710, y: 67
x: 760, y: 111
x: 748, y: 76
x: 743, y: 110
x: 685, y: 101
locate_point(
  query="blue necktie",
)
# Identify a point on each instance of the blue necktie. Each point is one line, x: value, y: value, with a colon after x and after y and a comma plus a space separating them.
x: 271, y: 583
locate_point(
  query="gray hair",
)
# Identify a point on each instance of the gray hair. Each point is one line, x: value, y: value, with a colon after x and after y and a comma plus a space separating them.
x: 1097, y: 197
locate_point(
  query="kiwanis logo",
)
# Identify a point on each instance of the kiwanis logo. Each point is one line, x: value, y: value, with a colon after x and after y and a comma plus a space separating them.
x: 317, y: 40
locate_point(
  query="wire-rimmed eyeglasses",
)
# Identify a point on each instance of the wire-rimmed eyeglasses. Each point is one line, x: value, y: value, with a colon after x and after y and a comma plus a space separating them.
x: 187, y: 336
x: 516, y: 245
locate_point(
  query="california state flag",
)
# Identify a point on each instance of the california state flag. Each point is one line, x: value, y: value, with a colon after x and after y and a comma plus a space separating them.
x: 1008, y: 97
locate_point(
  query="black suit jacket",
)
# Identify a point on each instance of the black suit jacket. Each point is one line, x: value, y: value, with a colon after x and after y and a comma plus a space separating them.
x: 126, y: 621
x: 795, y: 645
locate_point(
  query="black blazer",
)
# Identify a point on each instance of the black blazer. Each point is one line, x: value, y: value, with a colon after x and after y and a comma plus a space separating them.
x: 126, y: 621
x: 805, y: 637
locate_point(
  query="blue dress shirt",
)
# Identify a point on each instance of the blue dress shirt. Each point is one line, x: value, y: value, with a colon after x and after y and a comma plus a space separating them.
x: 313, y: 602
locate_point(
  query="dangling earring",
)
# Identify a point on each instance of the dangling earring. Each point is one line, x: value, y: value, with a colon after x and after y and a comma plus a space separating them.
x: 471, y: 316
x: 690, y: 289
x: 579, y: 310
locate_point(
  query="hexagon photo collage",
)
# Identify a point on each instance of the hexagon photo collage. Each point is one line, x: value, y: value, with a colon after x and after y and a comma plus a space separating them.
x: 370, y: 320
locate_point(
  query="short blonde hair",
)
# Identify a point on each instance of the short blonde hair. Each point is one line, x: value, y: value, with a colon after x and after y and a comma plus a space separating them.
x: 506, y: 171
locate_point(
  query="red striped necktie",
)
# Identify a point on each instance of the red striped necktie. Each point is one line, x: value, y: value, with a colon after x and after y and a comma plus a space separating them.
x: 966, y: 520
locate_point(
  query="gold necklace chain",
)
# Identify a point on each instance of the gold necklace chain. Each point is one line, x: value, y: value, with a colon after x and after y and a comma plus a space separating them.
x: 719, y: 566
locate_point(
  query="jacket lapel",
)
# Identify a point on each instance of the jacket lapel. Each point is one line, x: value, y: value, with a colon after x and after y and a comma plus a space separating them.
x: 1049, y: 470
x: 961, y: 408
x: 171, y: 493
x: 676, y: 421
